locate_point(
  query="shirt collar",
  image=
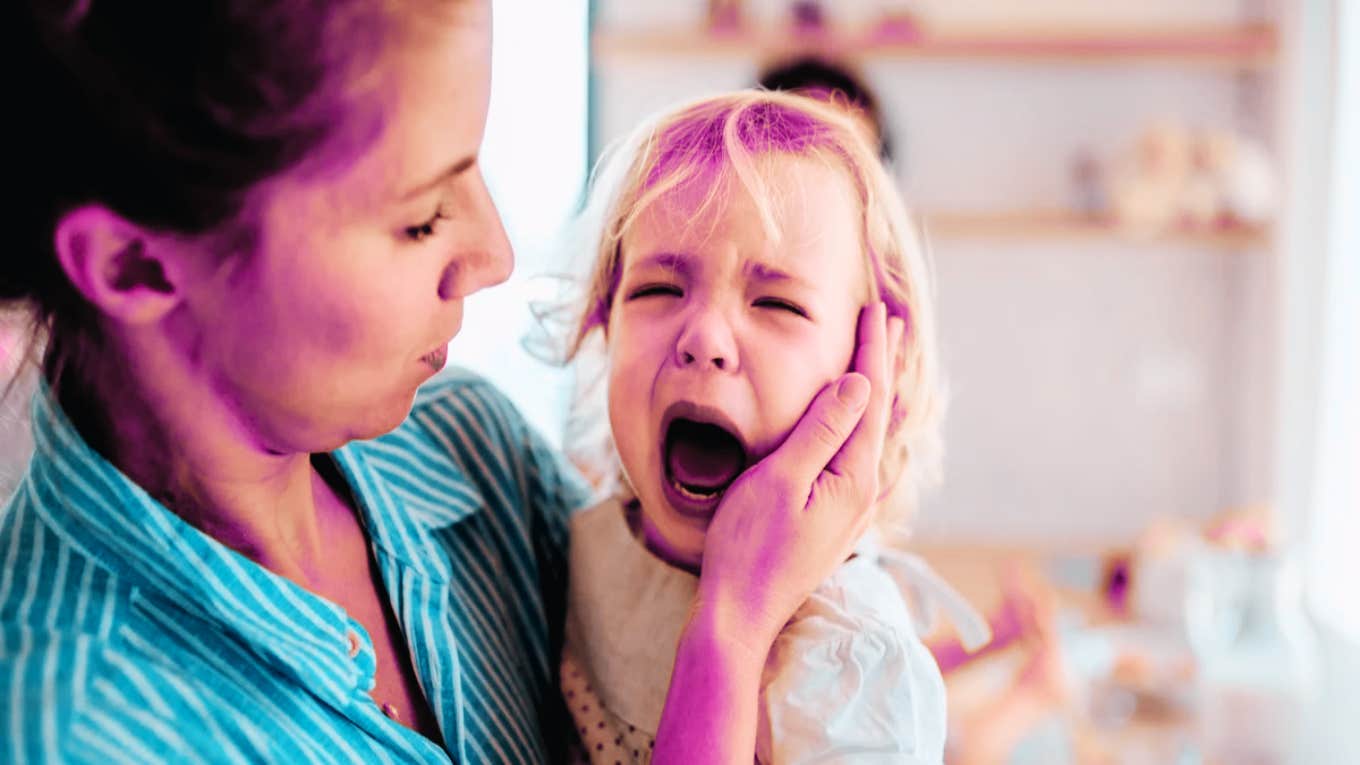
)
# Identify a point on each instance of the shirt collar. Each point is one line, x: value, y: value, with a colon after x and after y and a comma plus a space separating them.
x: 403, y: 501
x: 627, y: 636
x: 99, y: 511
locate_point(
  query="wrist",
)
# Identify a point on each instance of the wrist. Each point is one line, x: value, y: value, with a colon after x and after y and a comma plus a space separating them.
x: 711, y: 706
x: 724, y: 632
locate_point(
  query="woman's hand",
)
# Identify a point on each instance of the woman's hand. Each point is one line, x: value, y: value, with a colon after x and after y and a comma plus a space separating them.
x: 796, y: 515
x: 782, y: 528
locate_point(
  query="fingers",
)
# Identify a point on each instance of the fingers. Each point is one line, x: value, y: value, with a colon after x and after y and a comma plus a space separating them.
x: 897, y: 327
x: 860, y: 455
x: 897, y: 410
x: 822, y: 431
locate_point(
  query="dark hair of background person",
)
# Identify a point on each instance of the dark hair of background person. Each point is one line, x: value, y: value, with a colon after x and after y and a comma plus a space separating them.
x: 168, y: 113
x: 816, y: 75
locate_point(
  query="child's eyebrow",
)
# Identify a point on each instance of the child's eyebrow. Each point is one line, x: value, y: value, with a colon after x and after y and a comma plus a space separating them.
x: 764, y: 272
x: 670, y: 261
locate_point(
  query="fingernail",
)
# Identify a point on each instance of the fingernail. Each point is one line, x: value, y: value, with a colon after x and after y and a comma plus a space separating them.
x: 853, y: 391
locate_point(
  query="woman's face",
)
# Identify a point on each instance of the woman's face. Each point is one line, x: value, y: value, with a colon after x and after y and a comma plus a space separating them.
x: 349, y: 297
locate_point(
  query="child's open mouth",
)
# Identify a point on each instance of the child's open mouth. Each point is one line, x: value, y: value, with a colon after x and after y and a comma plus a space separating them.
x: 700, y: 460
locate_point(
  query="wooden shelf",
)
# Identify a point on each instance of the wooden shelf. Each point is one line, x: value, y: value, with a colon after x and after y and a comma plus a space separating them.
x: 1237, y: 47
x: 1066, y: 225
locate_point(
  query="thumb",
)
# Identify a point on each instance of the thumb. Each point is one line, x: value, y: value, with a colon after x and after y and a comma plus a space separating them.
x: 823, y: 429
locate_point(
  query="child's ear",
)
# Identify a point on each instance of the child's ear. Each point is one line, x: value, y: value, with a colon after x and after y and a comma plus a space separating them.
x: 121, y: 268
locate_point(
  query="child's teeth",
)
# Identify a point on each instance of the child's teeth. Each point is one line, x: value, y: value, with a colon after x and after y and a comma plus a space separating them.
x: 689, y: 494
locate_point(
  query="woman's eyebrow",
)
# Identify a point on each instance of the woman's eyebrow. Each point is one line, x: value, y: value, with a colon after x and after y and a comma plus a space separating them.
x: 451, y: 171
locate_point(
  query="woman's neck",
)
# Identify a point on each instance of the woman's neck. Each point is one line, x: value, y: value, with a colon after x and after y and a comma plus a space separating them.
x: 180, y: 443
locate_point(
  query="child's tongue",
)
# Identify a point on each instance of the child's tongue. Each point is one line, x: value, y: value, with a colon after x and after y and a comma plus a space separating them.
x: 705, y: 464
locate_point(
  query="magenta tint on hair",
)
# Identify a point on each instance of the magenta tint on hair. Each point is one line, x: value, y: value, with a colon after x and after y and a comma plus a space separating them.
x: 699, y: 138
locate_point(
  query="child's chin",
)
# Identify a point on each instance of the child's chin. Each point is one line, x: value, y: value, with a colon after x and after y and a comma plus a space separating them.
x: 681, y: 544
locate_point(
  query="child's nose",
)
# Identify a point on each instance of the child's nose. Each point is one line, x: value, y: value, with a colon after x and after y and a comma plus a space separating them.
x: 687, y: 359
x: 707, y: 342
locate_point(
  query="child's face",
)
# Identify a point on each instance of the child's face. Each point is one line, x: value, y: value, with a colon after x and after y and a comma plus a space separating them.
x: 714, y: 324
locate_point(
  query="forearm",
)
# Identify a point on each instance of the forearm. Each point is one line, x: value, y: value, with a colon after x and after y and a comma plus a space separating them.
x: 711, y: 707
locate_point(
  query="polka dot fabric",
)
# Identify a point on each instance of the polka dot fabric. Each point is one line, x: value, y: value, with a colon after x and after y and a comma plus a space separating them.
x: 602, y: 737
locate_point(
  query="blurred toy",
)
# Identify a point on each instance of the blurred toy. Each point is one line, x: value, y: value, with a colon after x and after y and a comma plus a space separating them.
x: 1248, y: 182
x: 1247, y: 530
x: 897, y: 22
x: 987, y: 725
x: 1161, y: 556
x: 1146, y: 188
x: 1201, y: 199
x: 1196, y: 180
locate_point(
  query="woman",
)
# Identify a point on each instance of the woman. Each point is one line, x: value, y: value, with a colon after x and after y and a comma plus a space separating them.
x: 245, y: 534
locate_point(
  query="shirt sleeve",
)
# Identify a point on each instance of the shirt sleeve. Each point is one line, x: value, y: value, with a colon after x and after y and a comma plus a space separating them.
x: 843, y: 686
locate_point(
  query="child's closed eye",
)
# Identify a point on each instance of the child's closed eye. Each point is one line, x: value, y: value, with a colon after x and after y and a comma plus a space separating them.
x: 780, y: 304
x: 655, y: 290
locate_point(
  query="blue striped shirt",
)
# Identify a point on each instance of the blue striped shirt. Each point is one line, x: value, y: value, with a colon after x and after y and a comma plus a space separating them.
x: 126, y: 635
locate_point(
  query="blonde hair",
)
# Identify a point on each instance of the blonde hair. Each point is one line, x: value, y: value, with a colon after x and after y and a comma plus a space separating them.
x: 732, y: 138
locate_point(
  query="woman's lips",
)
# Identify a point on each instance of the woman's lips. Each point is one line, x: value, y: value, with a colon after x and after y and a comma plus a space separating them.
x: 436, y: 358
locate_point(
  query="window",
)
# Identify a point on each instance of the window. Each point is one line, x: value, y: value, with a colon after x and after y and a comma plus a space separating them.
x: 535, y: 159
x: 1334, y: 484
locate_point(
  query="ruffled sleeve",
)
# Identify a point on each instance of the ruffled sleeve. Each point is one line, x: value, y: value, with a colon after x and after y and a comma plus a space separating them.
x: 849, y: 680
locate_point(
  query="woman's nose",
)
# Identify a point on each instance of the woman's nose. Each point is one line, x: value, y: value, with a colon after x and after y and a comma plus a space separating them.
x: 484, y: 258
x: 707, y: 343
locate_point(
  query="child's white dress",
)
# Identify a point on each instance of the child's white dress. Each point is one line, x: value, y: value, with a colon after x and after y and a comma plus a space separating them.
x: 848, y: 679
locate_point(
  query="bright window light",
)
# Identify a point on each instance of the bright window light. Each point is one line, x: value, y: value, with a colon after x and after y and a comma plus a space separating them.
x: 534, y: 156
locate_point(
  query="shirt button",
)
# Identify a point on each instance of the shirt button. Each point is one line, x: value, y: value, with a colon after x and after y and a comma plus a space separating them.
x: 391, y: 712
x: 353, y: 638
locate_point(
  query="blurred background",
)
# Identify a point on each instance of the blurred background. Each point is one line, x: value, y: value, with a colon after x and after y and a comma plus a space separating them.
x: 1144, y: 220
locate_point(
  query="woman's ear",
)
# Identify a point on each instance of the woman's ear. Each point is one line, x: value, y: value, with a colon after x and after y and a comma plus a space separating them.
x: 125, y: 271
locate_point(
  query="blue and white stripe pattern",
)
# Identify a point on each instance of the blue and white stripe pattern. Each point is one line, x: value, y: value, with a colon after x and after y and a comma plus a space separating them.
x: 126, y: 635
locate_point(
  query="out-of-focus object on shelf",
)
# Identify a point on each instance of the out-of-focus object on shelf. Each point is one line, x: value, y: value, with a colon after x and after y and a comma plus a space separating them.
x: 1148, y: 185
x: 1161, y: 557
x: 1257, y: 654
x: 1057, y: 224
x: 1247, y: 46
x: 1175, y: 177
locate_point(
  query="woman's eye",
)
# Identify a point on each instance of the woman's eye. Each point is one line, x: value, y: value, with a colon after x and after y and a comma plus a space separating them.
x: 423, y: 231
x: 652, y: 290
x: 781, y: 305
